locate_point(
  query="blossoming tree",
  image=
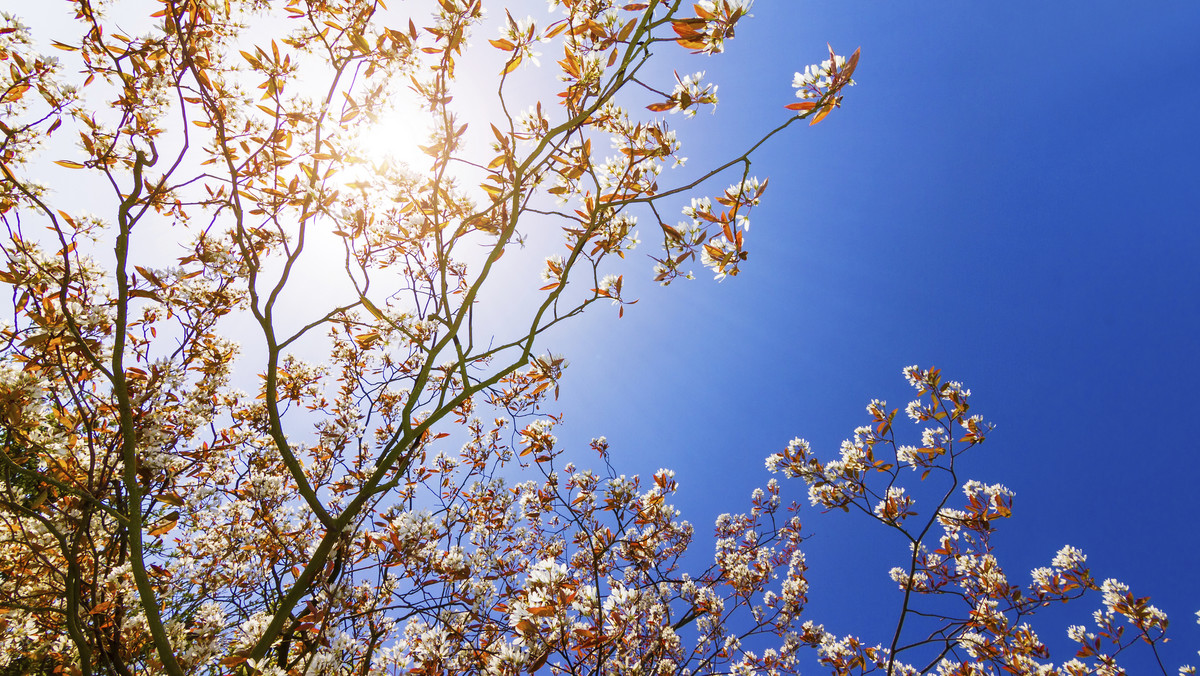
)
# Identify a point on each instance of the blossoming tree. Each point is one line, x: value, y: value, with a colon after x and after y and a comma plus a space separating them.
x: 158, y: 519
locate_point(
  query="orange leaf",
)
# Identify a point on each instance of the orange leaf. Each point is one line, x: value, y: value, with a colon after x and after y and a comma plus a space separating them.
x: 626, y: 30
x: 171, y: 520
x: 361, y: 42
x: 170, y: 499
x: 851, y: 64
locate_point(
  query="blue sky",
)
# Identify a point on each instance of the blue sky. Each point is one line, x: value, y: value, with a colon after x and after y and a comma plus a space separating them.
x: 1010, y: 193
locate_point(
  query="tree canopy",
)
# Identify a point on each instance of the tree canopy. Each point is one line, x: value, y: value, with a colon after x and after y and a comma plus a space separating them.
x: 243, y: 344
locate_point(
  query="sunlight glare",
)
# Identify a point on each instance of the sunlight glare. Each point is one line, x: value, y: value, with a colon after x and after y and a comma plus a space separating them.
x: 392, y: 138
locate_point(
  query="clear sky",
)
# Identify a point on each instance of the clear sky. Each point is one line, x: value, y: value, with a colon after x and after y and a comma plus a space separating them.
x: 1011, y: 194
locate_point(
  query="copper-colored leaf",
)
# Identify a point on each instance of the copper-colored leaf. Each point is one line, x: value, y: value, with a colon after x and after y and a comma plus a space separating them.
x: 626, y: 30
x: 851, y: 63
x: 170, y: 499
x: 361, y: 43
x: 165, y: 526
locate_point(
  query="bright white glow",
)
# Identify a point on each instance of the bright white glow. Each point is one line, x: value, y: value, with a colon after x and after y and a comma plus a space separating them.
x: 393, y: 137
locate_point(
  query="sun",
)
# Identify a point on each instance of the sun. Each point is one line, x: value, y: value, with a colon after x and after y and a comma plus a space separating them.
x: 393, y: 137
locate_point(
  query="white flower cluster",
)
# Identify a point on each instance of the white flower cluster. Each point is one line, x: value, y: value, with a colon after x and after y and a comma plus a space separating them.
x: 642, y: 147
x: 985, y: 492
x: 690, y: 91
x: 1079, y: 633
x: 934, y: 437
x: 613, y: 233
x: 533, y: 123
x: 895, y: 505
x: 622, y: 601
x: 23, y: 397
x: 724, y: 247
x: 981, y: 572
x: 608, y: 285
x: 715, y: 31
x: 251, y: 629
x: 204, y: 635
x: 917, y: 411
x: 746, y: 193
x: 539, y: 432
x: 553, y: 269
x: 743, y: 567
x: 919, y: 580
x: 546, y: 573
x: 700, y: 211
x: 523, y: 34
x: 509, y: 658
x: 812, y: 83
x: 1068, y: 557
x: 914, y: 376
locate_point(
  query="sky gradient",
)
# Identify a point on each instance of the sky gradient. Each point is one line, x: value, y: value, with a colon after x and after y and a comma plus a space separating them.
x: 1010, y: 194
